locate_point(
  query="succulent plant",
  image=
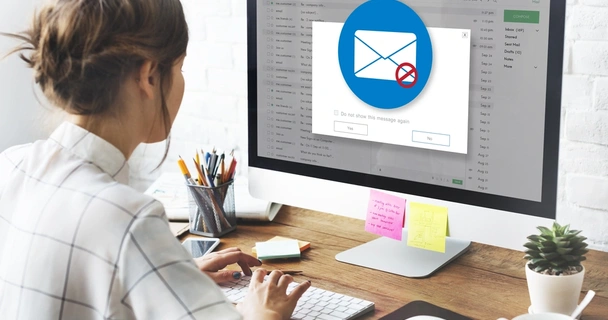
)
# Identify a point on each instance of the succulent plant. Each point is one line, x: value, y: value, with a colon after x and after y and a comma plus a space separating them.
x: 556, y: 251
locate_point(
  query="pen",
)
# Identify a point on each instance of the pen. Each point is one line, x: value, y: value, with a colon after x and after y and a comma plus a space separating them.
x: 212, y: 164
x: 221, y: 163
x: 207, y: 158
x: 287, y: 271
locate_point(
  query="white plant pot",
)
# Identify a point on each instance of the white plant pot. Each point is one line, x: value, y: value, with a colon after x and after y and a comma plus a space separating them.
x: 558, y: 294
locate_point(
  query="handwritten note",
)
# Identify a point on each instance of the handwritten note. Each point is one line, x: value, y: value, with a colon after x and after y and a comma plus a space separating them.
x: 385, y: 215
x: 427, y: 227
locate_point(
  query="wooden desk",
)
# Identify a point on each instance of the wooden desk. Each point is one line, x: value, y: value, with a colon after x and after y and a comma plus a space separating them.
x: 485, y: 283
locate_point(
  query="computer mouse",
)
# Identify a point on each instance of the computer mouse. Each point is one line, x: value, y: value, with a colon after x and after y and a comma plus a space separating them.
x: 424, y: 318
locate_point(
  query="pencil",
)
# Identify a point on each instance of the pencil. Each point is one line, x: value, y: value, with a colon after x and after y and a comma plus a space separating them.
x: 201, y: 180
x: 184, y: 169
x: 197, y: 158
x: 232, y: 169
x: 222, y: 170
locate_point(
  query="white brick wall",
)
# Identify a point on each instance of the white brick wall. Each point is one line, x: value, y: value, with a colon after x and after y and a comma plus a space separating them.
x: 214, y: 111
x: 583, y: 187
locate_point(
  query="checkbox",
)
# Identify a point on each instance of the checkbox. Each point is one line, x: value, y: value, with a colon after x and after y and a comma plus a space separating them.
x: 336, y: 113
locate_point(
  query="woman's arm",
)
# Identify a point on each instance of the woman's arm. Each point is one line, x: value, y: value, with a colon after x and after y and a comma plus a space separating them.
x: 161, y: 280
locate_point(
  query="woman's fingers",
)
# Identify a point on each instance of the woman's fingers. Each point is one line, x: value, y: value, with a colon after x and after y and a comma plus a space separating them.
x: 299, y: 290
x: 274, y: 277
x: 224, y: 276
x: 284, y: 282
x: 258, y: 277
x: 228, y: 250
x: 221, y: 260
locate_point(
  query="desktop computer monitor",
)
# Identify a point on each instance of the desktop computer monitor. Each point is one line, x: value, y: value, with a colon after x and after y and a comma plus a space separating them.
x: 454, y: 103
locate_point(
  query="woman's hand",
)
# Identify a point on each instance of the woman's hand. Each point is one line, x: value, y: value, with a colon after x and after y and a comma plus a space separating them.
x: 269, y: 299
x: 214, y: 263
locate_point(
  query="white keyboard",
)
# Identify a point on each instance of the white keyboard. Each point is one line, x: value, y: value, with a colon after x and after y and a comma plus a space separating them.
x: 315, y: 303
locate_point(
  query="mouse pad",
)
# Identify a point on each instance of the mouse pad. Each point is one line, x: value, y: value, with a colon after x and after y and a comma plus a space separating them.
x: 417, y: 310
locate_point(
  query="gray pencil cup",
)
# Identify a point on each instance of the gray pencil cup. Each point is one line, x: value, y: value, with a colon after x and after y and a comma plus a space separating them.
x: 212, y: 212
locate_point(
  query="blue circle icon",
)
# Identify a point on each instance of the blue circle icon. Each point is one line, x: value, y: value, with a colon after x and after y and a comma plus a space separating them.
x: 385, y: 53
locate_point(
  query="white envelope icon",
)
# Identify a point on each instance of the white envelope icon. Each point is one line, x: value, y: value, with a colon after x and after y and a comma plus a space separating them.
x: 378, y: 54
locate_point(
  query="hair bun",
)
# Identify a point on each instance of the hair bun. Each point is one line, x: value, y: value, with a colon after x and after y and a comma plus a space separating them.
x: 81, y: 51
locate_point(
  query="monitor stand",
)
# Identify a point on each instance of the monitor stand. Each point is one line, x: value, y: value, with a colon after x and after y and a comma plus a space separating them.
x: 397, y: 257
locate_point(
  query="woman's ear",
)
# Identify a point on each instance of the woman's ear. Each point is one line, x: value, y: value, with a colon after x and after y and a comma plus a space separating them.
x: 147, y: 78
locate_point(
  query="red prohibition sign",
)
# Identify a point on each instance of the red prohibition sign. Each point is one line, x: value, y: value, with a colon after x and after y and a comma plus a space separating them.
x: 401, y: 79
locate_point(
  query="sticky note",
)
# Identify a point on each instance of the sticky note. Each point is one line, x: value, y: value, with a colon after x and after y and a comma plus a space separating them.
x: 303, y: 244
x: 278, y: 249
x: 427, y: 227
x: 385, y: 215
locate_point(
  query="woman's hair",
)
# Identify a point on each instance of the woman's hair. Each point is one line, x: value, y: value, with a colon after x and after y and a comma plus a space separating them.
x: 82, y: 50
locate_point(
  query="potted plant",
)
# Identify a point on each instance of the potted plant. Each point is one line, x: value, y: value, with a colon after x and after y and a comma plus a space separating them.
x: 554, y: 272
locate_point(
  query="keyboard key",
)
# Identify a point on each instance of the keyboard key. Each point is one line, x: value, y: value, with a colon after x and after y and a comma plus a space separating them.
x: 340, y: 315
x: 328, y: 317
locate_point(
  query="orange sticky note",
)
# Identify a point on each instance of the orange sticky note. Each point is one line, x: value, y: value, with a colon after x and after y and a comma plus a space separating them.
x: 385, y: 215
x: 303, y: 244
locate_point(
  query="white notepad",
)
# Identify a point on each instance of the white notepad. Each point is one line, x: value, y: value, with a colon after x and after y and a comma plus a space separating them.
x: 277, y: 249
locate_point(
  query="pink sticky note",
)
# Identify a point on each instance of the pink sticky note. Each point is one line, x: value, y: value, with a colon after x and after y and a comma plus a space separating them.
x: 385, y: 215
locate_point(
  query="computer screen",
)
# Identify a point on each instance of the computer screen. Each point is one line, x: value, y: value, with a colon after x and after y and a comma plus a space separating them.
x: 465, y: 109
x: 455, y: 103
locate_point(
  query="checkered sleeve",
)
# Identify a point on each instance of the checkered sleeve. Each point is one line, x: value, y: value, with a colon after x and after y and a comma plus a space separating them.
x: 160, y: 278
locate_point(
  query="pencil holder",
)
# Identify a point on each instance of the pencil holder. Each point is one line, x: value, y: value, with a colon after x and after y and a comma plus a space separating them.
x: 212, y: 211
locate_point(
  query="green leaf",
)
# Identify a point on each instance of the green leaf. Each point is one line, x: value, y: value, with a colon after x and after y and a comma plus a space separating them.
x: 580, y: 252
x: 575, y: 241
x: 533, y: 253
x: 563, y: 251
x: 563, y: 244
x: 548, y: 244
x: 540, y: 269
x: 568, y: 257
x: 534, y: 238
x: 539, y: 262
x: 558, y: 263
x: 531, y: 246
x: 545, y: 231
x: 547, y: 238
x: 549, y: 256
x: 582, y: 258
x: 547, y: 250
x: 580, y: 246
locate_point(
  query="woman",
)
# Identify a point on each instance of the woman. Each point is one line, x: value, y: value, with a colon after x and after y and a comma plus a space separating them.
x: 75, y: 241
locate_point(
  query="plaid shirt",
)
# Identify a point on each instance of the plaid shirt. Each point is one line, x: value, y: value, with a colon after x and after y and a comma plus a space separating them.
x: 77, y: 243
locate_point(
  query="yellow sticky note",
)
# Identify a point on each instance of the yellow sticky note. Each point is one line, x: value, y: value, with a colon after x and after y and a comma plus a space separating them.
x: 427, y: 227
